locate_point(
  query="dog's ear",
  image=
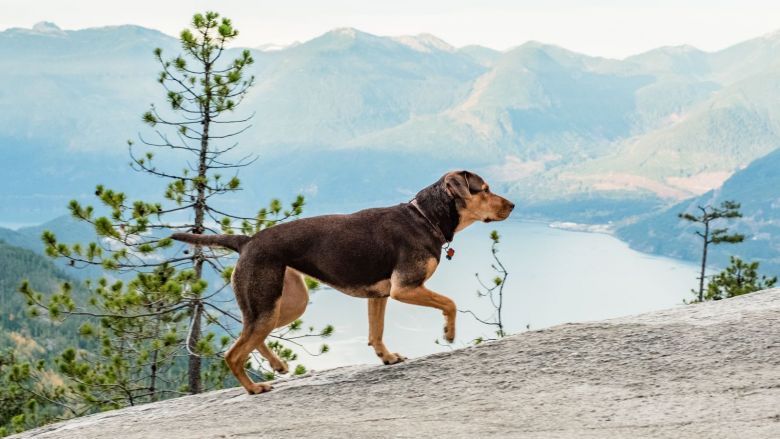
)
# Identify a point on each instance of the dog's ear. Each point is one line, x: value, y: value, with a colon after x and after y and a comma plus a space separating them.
x: 457, y: 184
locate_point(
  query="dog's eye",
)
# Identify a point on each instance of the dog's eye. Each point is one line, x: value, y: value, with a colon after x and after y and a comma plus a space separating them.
x: 487, y: 190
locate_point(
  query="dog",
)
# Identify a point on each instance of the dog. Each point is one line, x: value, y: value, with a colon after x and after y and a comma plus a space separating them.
x: 373, y: 254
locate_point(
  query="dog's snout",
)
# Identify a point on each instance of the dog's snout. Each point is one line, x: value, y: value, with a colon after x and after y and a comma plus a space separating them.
x: 508, y: 205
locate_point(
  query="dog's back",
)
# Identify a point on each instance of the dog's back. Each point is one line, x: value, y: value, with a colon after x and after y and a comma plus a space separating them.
x: 344, y: 251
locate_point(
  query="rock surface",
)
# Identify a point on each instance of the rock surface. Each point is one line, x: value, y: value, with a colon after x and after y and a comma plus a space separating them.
x: 699, y: 371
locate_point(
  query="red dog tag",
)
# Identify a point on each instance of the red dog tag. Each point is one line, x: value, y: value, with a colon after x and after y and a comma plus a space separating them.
x: 450, y: 253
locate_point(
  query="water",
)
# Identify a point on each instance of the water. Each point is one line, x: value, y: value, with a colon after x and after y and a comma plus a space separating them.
x: 555, y: 276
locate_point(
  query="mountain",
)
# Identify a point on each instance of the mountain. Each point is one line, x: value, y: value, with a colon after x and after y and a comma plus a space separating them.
x: 708, y: 115
x: 484, y: 56
x: 532, y: 98
x: 384, y: 116
x: 704, y: 145
x: 755, y: 187
x: 699, y: 371
x: 16, y: 239
x: 347, y: 83
x: 64, y: 227
x: 77, y: 88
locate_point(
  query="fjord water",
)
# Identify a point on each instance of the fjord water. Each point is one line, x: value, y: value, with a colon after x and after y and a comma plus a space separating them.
x: 556, y: 276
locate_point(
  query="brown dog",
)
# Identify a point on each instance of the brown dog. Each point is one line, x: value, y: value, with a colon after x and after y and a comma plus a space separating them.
x: 374, y: 254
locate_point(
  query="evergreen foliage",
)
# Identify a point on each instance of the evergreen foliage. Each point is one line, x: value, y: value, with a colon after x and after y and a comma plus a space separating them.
x: 738, y: 278
x: 18, y: 409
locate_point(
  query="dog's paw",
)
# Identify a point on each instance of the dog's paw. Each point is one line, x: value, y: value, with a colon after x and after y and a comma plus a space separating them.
x: 258, y: 388
x: 391, y: 358
x: 398, y: 358
x: 449, y: 334
x: 281, y: 368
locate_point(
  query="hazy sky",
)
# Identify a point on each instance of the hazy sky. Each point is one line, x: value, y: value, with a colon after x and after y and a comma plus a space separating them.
x: 614, y: 28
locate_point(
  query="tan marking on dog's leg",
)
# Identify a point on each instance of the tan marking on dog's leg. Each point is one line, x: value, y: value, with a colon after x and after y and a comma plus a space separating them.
x: 236, y: 358
x: 376, y: 319
x: 422, y: 296
x: 376, y: 328
x: 295, y: 298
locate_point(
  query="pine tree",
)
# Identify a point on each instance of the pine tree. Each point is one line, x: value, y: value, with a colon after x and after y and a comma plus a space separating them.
x: 737, y: 279
x: 713, y: 236
x: 17, y: 407
x: 153, y: 324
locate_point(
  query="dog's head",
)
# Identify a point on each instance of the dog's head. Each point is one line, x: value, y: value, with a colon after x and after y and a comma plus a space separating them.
x: 459, y: 199
x: 474, y: 200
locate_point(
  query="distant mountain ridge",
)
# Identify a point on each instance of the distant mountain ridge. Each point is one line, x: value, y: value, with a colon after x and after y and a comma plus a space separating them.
x: 546, y: 124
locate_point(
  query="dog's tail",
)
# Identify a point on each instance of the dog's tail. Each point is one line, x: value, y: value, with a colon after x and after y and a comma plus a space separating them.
x: 233, y: 242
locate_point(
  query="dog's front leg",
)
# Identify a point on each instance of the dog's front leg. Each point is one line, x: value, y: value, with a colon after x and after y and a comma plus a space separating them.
x: 376, y: 328
x: 419, y: 295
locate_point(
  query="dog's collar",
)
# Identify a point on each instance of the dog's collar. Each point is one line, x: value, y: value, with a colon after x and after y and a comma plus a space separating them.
x: 436, y: 228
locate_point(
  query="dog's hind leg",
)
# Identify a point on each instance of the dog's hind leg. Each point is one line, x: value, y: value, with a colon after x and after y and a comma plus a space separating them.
x: 376, y: 328
x: 258, y: 292
x: 295, y: 298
